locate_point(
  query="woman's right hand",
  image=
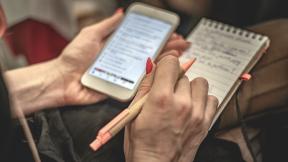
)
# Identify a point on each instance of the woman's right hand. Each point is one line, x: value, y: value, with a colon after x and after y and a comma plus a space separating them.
x: 175, y: 118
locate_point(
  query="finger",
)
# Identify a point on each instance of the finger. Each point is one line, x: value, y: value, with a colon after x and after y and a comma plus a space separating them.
x: 93, y: 98
x: 183, y: 89
x: 178, y: 44
x: 183, y: 98
x: 146, y: 83
x: 167, y: 53
x: 199, y: 91
x: 166, y: 75
x: 86, y: 96
x: 107, y: 26
x: 174, y: 36
x: 143, y: 89
x: 211, y: 109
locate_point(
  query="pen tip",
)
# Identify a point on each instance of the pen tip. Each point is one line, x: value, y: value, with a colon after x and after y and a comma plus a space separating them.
x: 188, y: 64
x: 95, y: 145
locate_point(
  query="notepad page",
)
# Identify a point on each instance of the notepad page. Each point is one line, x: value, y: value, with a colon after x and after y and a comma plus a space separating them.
x: 222, y: 53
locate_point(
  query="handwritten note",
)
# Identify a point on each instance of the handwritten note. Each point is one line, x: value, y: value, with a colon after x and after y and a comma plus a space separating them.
x: 222, y: 53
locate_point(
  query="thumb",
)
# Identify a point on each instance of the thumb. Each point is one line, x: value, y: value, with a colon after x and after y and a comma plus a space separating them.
x: 107, y: 26
x: 144, y: 88
x: 146, y: 83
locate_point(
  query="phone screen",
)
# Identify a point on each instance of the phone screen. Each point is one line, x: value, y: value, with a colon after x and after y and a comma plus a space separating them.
x: 123, y: 60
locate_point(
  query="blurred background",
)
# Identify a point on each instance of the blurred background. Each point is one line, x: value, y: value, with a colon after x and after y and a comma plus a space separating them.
x: 38, y: 30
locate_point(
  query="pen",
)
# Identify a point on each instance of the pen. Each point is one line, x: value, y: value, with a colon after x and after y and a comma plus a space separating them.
x: 126, y: 116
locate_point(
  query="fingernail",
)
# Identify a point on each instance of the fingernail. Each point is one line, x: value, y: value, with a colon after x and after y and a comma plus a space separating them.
x: 119, y: 10
x: 149, y: 66
x: 188, y: 43
x: 188, y: 64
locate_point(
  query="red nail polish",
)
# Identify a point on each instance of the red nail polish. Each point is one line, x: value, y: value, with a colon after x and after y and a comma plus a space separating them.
x: 149, y: 65
x: 119, y: 10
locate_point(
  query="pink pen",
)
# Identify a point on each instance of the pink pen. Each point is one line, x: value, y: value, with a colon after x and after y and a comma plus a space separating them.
x: 126, y: 116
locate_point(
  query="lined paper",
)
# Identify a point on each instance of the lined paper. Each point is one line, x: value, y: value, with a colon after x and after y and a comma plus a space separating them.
x: 222, y: 53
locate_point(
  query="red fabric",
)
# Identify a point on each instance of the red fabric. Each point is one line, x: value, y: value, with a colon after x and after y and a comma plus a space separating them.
x: 37, y: 41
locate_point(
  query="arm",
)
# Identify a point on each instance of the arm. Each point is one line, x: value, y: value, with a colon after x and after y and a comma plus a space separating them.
x: 57, y: 82
x: 36, y: 87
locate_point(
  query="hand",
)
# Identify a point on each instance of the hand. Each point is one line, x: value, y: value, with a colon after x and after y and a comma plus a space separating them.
x: 80, y: 54
x: 175, y: 118
x: 57, y: 82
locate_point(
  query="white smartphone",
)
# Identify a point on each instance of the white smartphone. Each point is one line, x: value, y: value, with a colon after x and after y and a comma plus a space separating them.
x: 120, y: 65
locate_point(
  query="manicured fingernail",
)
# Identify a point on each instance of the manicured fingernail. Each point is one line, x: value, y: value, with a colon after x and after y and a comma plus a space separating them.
x: 149, y: 66
x: 119, y: 10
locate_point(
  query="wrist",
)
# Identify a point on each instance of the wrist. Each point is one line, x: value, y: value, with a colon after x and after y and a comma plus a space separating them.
x: 137, y: 152
x: 35, y: 87
x: 144, y: 156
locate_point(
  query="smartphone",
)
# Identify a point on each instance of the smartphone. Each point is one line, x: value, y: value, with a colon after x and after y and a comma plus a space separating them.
x: 120, y: 65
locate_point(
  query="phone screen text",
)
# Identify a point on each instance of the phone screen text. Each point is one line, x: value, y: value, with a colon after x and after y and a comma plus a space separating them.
x: 123, y: 59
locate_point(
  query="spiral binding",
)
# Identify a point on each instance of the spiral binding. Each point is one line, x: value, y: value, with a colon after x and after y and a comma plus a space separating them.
x: 231, y: 29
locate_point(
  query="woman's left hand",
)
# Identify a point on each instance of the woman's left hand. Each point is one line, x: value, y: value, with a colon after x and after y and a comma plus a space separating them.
x: 57, y: 82
x: 78, y: 56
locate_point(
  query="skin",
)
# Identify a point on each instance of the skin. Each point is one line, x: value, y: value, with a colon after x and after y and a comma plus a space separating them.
x: 179, y: 112
x: 175, y: 118
x: 57, y: 82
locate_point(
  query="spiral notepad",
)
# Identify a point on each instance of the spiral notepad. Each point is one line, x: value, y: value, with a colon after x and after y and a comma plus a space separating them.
x: 223, y: 54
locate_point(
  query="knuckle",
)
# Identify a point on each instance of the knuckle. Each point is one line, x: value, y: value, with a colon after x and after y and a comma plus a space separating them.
x: 184, y: 106
x: 213, y: 99
x: 162, y: 99
x: 170, y: 57
x: 197, y: 120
